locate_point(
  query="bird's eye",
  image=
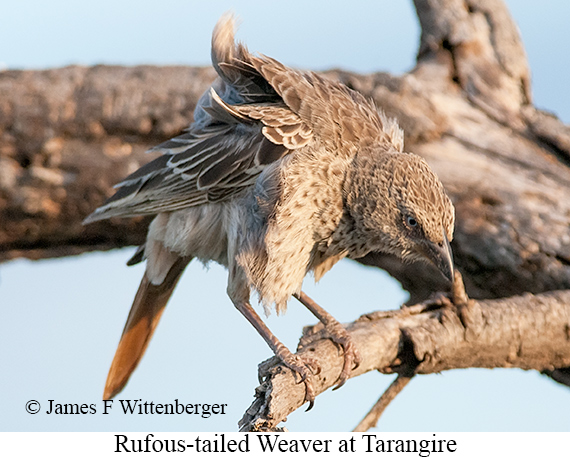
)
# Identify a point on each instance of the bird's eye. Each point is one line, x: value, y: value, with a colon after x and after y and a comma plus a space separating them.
x: 411, y: 221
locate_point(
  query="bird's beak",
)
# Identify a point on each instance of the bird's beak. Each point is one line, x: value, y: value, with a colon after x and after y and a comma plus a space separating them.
x: 442, y: 257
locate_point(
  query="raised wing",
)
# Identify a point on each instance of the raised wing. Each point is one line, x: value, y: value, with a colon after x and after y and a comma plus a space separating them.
x: 241, y: 126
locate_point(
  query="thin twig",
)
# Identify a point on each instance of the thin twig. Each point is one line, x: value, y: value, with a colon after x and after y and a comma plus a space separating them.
x: 371, y: 419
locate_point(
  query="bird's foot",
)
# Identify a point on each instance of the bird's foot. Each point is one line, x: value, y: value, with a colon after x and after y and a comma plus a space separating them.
x: 456, y: 297
x: 305, y: 367
x: 340, y: 336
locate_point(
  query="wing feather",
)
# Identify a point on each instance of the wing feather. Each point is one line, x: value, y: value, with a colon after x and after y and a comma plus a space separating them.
x: 242, y: 124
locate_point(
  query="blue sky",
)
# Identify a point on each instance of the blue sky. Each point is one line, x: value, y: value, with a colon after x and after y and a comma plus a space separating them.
x: 61, y: 319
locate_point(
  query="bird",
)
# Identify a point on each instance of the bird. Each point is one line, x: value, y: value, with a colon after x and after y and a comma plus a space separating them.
x: 282, y: 173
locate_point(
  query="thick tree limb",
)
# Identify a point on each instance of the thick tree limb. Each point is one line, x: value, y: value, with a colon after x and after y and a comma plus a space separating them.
x: 531, y: 332
x: 67, y: 136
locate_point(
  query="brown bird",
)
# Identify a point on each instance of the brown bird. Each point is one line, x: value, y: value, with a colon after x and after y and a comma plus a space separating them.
x: 282, y: 173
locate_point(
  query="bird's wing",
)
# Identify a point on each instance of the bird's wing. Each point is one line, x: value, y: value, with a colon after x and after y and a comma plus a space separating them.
x: 241, y: 125
x: 336, y: 113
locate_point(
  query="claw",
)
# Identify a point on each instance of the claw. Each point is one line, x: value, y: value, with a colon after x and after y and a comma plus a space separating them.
x: 340, y: 383
x: 309, y: 394
x: 337, y: 334
x: 305, y: 367
x: 357, y: 360
x: 340, y: 336
x: 351, y: 362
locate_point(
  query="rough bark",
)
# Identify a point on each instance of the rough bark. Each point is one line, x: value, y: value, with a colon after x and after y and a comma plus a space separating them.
x: 67, y: 135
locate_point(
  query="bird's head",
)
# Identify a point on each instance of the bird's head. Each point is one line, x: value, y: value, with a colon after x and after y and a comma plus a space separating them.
x: 400, y: 207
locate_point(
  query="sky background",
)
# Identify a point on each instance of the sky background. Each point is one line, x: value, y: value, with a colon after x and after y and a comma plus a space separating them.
x: 60, y: 320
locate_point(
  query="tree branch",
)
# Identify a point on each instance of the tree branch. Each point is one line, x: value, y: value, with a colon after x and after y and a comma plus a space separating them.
x: 531, y: 332
x: 371, y: 419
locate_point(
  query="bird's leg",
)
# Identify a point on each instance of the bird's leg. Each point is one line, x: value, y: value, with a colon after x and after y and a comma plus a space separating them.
x: 292, y: 361
x: 337, y: 333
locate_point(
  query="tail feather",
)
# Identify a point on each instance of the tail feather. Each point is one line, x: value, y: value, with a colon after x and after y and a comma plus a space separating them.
x: 144, y: 316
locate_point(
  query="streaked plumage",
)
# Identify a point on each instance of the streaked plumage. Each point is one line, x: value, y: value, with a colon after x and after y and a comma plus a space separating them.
x: 282, y: 173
